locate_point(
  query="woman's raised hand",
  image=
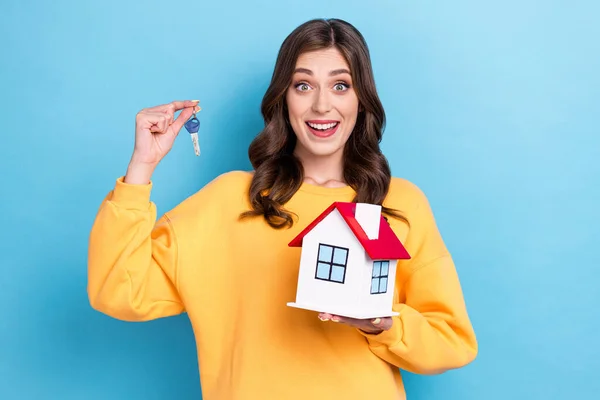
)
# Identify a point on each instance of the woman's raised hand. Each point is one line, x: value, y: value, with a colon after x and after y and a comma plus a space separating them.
x: 155, y: 131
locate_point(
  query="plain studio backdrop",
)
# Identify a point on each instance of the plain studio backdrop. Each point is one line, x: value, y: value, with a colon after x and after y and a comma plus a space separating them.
x: 492, y: 110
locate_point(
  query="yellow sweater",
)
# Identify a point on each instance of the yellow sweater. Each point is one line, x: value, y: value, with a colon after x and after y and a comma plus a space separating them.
x: 235, y: 278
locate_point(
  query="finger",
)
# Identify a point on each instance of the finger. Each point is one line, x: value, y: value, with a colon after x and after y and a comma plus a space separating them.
x: 160, y: 126
x: 343, y: 320
x: 338, y: 318
x: 170, y: 112
x: 368, y: 325
x: 382, y: 323
x: 325, y: 316
x: 155, y: 122
x: 183, y: 117
x: 173, y: 106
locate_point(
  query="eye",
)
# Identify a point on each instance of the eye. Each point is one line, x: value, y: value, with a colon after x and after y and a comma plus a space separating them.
x: 303, y: 87
x: 341, y: 86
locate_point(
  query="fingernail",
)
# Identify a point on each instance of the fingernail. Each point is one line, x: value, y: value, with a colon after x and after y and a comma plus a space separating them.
x: 195, y: 101
x: 376, y: 321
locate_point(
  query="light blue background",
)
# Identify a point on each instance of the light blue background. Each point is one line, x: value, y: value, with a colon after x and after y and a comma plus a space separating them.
x: 492, y: 109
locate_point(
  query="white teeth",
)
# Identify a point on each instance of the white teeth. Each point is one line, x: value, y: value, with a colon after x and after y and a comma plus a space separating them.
x: 322, y: 127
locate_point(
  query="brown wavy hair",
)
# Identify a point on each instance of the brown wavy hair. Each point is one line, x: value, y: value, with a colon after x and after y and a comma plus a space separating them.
x: 278, y: 173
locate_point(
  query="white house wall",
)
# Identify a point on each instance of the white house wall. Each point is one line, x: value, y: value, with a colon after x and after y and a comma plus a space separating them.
x: 334, y: 231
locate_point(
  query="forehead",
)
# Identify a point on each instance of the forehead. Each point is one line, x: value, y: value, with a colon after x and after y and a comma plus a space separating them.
x: 322, y: 61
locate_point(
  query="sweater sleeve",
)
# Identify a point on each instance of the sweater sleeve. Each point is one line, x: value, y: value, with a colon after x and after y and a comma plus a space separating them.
x: 432, y: 333
x: 132, y: 258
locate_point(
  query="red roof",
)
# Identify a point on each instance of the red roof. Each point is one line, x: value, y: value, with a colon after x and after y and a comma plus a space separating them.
x: 386, y: 247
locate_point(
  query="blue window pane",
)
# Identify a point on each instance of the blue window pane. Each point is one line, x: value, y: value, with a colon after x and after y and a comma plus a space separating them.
x: 337, y: 274
x: 376, y: 268
x: 374, y: 285
x: 323, y: 271
x: 339, y: 256
x: 384, y: 268
x: 325, y: 253
x: 383, y: 285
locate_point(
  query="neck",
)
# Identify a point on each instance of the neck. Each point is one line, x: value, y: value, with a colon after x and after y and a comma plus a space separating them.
x: 323, y: 170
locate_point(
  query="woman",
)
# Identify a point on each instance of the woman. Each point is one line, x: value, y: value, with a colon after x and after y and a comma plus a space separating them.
x: 222, y: 255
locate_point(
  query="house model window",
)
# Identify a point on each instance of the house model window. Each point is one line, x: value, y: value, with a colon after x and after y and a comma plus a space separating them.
x: 379, y: 280
x: 331, y: 263
x: 348, y: 262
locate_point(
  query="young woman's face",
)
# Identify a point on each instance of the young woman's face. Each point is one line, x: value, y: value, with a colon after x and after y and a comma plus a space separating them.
x: 322, y: 103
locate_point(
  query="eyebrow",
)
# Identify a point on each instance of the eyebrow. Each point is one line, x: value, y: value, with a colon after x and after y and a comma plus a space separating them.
x: 332, y: 73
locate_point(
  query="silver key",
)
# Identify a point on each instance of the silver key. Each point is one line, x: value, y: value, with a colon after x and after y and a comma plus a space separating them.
x: 192, y: 126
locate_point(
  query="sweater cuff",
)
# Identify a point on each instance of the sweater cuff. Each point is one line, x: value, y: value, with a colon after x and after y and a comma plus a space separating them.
x: 386, y: 338
x: 131, y: 196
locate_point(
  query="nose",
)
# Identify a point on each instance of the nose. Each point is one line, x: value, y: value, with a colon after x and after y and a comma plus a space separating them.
x: 321, y: 102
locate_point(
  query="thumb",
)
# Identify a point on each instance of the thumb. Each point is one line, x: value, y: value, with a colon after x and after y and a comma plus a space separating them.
x: 182, y: 118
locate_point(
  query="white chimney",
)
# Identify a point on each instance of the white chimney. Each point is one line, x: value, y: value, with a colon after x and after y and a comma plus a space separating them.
x: 368, y: 216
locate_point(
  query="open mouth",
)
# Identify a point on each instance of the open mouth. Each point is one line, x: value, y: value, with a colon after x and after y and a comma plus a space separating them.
x: 323, y: 128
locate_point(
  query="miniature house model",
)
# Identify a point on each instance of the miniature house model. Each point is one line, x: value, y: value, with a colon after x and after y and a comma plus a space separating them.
x: 348, y: 262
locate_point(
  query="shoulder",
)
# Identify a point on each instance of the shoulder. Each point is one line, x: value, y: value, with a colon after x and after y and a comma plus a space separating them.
x: 405, y: 195
x: 226, y: 187
x: 231, y: 180
x: 226, y: 191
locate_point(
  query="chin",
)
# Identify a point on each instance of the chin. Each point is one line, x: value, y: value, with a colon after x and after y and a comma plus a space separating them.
x: 323, y: 150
